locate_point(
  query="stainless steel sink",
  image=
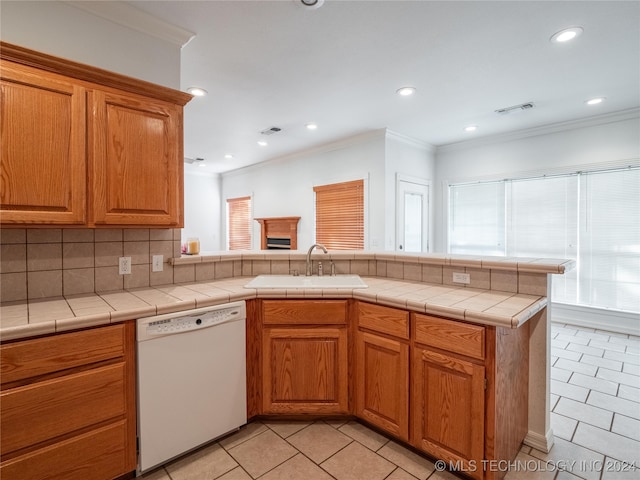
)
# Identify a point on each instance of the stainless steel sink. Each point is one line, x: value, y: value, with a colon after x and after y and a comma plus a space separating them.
x: 291, y: 281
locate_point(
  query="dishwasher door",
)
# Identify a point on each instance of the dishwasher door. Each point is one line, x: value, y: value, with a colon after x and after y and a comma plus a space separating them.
x: 191, y: 380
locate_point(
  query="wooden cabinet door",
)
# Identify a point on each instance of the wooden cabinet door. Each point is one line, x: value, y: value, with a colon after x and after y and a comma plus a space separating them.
x: 43, y: 156
x: 136, y: 162
x: 382, y: 383
x: 305, y: 370
x: 448, y: 409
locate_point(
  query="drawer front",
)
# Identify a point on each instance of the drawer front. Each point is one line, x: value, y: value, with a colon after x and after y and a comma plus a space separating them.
x: 384, y: 320
x: 450, y: 335
x: 100, y: 453
x: 45, y: 410
x: 305, y: 312
x: 40, y: 356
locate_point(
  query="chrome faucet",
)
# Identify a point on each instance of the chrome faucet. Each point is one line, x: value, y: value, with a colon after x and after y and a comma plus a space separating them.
x: 309, y: 264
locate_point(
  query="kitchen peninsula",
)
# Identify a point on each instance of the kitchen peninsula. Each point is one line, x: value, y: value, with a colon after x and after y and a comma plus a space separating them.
x: 487, y: 340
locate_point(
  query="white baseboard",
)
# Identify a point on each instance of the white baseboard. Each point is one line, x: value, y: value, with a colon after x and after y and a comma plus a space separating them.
x: 596, y: 318
x: 538, y: 441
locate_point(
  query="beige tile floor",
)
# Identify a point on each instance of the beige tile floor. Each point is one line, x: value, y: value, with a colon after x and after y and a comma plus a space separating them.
x: 595, y: 415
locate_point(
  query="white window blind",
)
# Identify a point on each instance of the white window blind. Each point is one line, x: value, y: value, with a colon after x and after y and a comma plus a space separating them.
x: 593, y: 218
x: 609, y: 262
x: 476, y: 219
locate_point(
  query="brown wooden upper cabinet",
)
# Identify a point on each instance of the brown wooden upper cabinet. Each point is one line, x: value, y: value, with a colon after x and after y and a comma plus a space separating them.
x: 86, y: 147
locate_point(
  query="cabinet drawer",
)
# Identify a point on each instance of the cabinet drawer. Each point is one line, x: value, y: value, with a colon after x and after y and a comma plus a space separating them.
x: 450, y: 335
x: 45, y: 410
x: 384, y: 320
x: 305, y: 312
x: 100, y: 453
x: 40, y: 356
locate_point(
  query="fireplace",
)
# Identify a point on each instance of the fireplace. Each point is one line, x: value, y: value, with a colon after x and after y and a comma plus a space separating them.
x: 278, y: 233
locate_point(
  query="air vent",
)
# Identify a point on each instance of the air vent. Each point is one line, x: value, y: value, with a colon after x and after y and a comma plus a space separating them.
x: 193, y: 160
x: 271, y: 131
x: 515, y: 108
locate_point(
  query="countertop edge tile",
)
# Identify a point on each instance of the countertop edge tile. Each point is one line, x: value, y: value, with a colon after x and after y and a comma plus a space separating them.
x: 382, y: 290
x: 132, y: 314
x: 65, y: 324
x: 28, y: 330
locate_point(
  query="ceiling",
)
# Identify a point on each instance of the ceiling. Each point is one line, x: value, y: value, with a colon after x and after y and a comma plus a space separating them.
x: 279, y: 64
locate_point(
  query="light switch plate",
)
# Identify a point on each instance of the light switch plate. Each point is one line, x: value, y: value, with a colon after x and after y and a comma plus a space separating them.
x: 156, y: 264
x: 124, y: 265
x: 461, y: 278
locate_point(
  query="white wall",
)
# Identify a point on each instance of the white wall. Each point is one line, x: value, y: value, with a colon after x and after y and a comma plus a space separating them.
x: 409, y: 158
x: 203, y: 217
x: 284, y: 187
x: 59, y: 29
x: 608, y: 140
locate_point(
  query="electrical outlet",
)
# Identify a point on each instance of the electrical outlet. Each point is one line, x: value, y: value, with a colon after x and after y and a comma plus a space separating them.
x: 461, y: 278
x: 156, y: 264
x: 124, y: 266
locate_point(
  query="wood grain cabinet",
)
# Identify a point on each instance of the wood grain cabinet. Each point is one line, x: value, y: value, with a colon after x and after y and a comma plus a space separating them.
x: 381, y: 379
x: 85, y: 147
x: 43, y: 161
x: 304, y: 357
x: 448, y: 391
x: 67, y: 405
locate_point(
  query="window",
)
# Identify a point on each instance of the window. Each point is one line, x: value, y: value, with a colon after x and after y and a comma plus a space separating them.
x: 340, y: 215
x: 593, y: 218
x: 239, y: 223
x: 476, y: 222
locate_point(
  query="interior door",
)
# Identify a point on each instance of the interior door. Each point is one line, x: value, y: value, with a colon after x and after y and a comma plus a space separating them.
x: 412, y: 213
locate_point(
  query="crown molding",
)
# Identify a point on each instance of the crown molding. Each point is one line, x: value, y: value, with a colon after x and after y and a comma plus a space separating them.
x: 131, y: 17
x: 323, y: 148
x: 622, y: 115
x: 414, y: 142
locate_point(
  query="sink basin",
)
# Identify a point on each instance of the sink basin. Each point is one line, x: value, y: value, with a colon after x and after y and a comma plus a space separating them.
x: 291, y: 281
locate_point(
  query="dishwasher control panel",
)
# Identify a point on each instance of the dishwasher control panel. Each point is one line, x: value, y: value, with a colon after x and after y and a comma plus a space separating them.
x: 187, y: 321
x: 181, y: 324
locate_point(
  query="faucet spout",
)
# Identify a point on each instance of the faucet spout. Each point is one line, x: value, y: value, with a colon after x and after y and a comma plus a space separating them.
x: 309, y: 264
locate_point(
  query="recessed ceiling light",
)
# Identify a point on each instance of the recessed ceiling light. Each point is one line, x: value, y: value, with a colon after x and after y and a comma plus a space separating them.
x: 202, y: 164
x: 311, y: 126
x: 228, y: 156
x: 197, y: 91
x: 406, y: 91
x: 262, y: 143
x: 471, y: 128
x: 566, y: 34
x: 595, y: 101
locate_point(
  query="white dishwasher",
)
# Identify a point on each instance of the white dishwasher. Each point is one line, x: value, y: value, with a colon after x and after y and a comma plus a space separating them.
x: 191, y: 380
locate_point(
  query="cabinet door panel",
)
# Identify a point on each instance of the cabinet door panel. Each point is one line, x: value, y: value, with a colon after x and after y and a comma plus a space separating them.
x: 305, y: 370
x: 43, y: 167
x: 448, y: 408
x: 100, y: 453
x: 137, y: 160
x: 382, y: 378
x: 48, y: 409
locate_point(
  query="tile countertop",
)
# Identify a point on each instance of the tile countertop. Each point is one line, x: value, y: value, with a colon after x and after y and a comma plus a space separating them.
x: 38, y: 317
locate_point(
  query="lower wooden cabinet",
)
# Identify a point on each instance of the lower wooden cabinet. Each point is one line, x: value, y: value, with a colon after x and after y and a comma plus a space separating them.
x: 305, y: 370
x: 381, y: 377
x: 382, y: 383
x: 454, y: 390
x: 67, y: 405
x: 448, y: 409
x: 304, y: 357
